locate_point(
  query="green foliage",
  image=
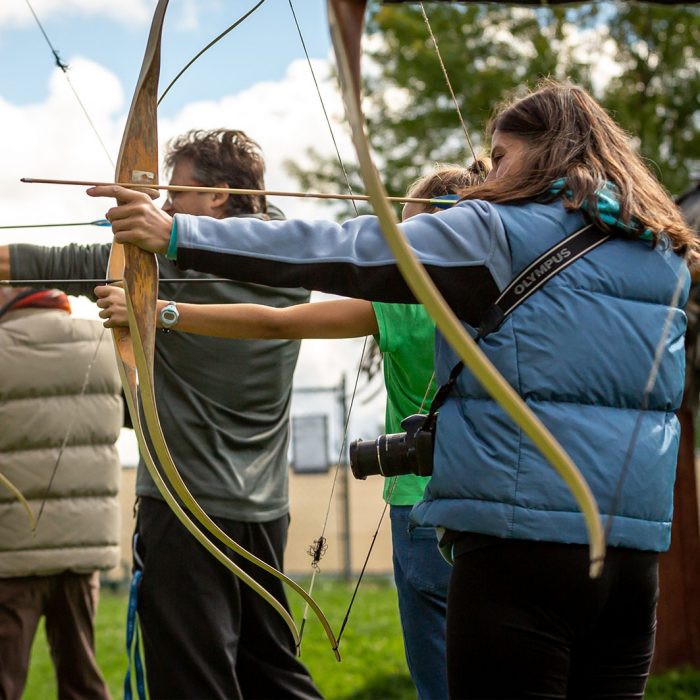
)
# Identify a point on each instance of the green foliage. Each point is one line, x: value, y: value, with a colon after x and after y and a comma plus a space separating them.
x: 682, y: 684
x: 657, y: 97
x: 491, y: 50
x: 373, y: 665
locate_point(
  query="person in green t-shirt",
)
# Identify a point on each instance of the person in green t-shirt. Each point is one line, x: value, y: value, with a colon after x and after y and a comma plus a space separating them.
x: 405, y: 334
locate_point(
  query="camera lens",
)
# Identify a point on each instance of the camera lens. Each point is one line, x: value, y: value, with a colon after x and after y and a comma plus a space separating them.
x: 396, y: 454
x: 387, y: 455
x: 363, y: 459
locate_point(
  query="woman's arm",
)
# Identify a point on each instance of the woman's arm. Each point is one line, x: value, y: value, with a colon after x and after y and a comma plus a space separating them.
x: 464, y: 249
x: 341, y: 318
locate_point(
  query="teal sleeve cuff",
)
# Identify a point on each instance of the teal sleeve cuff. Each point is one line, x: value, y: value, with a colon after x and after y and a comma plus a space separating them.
x: 171, y: 253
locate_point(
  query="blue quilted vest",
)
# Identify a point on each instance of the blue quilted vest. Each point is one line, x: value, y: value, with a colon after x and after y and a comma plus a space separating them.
x: 579, y: 352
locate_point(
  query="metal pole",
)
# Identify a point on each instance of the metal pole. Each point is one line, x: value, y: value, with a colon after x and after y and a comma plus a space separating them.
x: 344, y: 486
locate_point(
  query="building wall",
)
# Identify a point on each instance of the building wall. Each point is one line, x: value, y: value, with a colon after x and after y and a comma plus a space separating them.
x: 309, y: 497
x: 309, y: 494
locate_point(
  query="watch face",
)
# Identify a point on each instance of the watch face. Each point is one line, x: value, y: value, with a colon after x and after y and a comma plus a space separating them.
x: 169, y: 315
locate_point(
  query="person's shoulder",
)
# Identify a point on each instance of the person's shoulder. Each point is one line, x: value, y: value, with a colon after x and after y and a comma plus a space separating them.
x: 475, y: 208
x: 479, y: 206
x: 533, y: 214
x: 69, y: 329
x: 41, y: 326
x: 89, y: 328
x: 402, y: 324
x: 477, y: 213
x: 532, y: 206
x: 273, y: 213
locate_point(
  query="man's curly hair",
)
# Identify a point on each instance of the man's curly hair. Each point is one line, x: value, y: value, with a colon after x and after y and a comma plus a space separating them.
x: 223, y: 158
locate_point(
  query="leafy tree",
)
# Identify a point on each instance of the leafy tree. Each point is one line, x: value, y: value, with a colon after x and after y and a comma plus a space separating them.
x: 657, y: 94
x: 649, y: 80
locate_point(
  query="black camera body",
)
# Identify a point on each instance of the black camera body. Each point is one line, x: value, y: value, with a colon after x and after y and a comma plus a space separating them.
x: 399, y: 453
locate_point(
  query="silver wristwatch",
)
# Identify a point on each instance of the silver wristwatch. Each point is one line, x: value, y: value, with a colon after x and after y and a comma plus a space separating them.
x: 169, y: 316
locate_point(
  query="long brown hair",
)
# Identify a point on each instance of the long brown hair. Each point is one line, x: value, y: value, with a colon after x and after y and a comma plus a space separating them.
x: 570, y: 136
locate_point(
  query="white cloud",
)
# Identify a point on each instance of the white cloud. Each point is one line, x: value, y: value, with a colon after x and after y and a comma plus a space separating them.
x: 53, y: 139
x: 188, y: 17
x: 595, y: 48
x: 324, y: 363
x: 285, y: 117
x: 15, y: 13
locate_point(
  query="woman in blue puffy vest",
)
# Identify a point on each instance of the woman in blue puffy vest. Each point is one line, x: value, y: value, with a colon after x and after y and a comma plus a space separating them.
x: 524, y: 618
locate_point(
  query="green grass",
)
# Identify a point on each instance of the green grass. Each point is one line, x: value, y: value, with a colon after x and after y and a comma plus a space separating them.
x: 373, y: 666
x: 111, y: 654
x: 675, y: 685
x: 373, y: 663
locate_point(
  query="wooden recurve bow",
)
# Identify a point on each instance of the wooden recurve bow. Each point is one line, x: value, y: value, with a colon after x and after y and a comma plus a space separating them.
x: 135, y: 345
x: 346, y: 18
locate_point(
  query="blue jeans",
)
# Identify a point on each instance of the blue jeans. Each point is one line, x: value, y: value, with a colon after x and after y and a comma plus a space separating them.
x: 422, y: 578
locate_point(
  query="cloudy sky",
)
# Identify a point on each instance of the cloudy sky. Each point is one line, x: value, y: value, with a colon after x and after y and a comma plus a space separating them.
x: 255, y: 79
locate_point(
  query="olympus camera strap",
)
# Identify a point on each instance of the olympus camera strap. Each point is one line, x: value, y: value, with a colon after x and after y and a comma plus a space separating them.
x: 521, y: 288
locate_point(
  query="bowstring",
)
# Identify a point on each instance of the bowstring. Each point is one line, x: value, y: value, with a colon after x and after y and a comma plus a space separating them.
x: 71, y: 424
x: 101, y: 222
x: 394, y: 479
x: 319, y: 546
x: 64, y: 69
x: 448, y: 81
x: 387, y: 501
x: 658, y: 352
x: 323, y: 107
x: 230, y: 28
x: 644, y: 403
x: 64, y: 443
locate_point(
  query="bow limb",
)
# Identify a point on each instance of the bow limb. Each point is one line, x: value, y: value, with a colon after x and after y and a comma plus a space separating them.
x: 181, y: 515
x: 346, y: 18
x: 4, y: 481
x: 128, y: 374
x: 181, y: 489
x: 138, y: 162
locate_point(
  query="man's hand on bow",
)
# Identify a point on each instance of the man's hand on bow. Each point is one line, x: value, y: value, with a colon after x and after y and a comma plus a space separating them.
x: 136, y: 219
x: 112, y: 302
